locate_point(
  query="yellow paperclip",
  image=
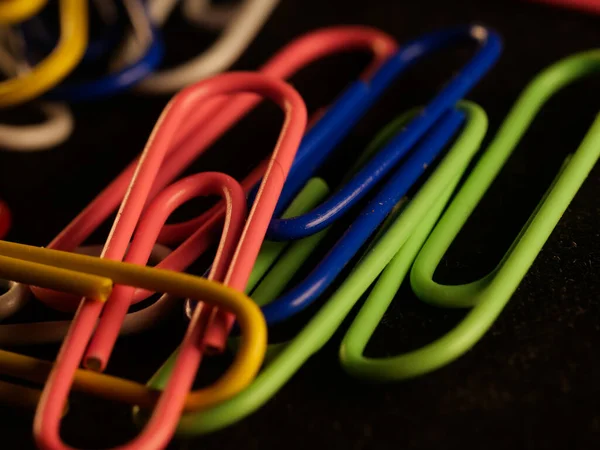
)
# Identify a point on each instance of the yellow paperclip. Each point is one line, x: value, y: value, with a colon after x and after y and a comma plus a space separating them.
x: 88, y: 275
x: 54, y: 68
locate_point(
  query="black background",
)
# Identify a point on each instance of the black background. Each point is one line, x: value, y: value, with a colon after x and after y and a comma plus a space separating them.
x: 532, y: 381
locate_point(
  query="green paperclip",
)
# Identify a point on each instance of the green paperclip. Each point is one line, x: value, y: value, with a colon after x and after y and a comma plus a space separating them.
x: 489, y: 295
x: 290, y: 356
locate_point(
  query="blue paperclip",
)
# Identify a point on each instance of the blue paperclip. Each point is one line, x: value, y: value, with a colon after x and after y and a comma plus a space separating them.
x: 354, y: 102
x: 433, y: 127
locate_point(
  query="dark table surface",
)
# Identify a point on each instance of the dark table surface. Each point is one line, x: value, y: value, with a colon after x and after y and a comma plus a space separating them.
x: 532, y: 381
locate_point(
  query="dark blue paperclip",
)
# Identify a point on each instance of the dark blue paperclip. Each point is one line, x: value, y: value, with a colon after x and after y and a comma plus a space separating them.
x: 431, y: 129
x: 354, y: 102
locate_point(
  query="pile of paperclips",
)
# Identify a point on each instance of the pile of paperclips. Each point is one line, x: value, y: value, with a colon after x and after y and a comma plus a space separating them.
x: 271, y: 221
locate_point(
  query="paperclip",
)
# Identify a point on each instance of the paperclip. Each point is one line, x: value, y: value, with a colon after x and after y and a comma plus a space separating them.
x: 235, y: 38
x: 15, y: 11
x: 193, y: 139
x: 65, y: 270
x: 436, y: 113
x: 489, y: 295
x: 289, y: 357
x: 54, y: 331
x: 66, y: 55
x: 125, y: 77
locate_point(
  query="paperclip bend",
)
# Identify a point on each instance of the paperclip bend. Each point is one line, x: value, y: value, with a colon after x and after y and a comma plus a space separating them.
x: 15, y: 11
x: 66, y: 55
x: 246, y: 364
x: 125, y: 76
x: 288, y: 358
x: 488, y: 296
x: 207, y: 123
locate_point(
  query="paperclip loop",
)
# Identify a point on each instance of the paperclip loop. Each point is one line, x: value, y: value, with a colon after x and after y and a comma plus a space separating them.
x: 490, y: 294
x: 195, y: 137
x: 287, y: 358
x: 125, y: 76
x: 66, y: 55
x: 242, y: 27
x: 101, y: 336
x: 82, y: 274
x: 15, y: 11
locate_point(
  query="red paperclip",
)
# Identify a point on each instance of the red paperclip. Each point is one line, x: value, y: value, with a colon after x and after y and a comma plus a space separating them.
x: 5, y: 219
x: 84, y: 330
x: 590, y: 6
x: 217, y: 116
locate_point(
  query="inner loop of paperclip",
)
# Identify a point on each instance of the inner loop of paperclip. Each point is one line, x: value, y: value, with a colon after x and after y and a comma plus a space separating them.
x: 339, y: 203
x: 56, y: 66
x: 187, y: 147
x: 488, y: 296
x: 54, y: 331
x: 289, y: 357
x: 125, y: 76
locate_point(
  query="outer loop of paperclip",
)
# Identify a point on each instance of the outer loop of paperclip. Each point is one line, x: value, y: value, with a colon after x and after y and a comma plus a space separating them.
x: 15, y: 11
x: 50, y: 332
x: 66, y: 55
x: 340, y: 202
x: 300, y: 52
x: 320, y: 328
x: 123, y: 79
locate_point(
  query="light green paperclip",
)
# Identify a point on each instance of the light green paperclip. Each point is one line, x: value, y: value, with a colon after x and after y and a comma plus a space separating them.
x: 486, y: 296
x: 290, y: 356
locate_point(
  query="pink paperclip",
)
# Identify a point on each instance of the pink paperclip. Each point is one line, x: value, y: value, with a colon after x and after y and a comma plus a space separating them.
x: 171, y: 403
